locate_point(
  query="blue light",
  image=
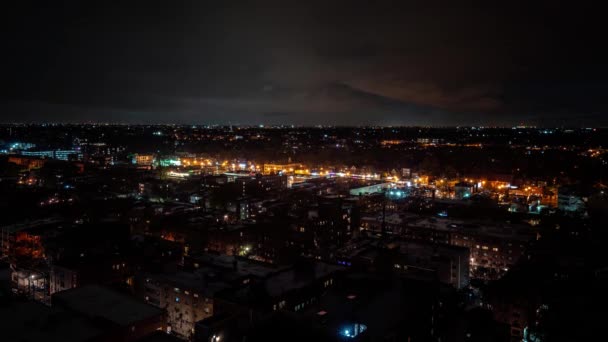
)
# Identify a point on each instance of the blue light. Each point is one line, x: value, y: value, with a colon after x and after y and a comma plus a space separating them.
x: 347, y: 332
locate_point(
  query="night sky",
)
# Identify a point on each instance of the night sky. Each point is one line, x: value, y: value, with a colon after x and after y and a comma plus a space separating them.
x: 304, y: 62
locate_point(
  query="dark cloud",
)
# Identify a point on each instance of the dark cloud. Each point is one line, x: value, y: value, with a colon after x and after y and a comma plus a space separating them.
x: 338, y: 62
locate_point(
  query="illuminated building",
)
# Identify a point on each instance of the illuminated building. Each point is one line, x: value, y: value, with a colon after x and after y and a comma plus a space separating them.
x: 463, y: 190
x: 20, y: 240
x: 169, y: 161
x: 430, y: 141
x: 27, y: 245
x: 393, y: 224
x: 39, y: 154
x: 391, y: 142
x: 275, y: 168
x: 18, y: 146
x: 143, y: 159
x: 31, y: 282
x: 254, y: 185
x: 55, y: 154
x: 494, y: 248
x: 29, y: 163
x: 571, y: 200
x: 493, y: 252
x: 186, y: 296
x: 370, y: 189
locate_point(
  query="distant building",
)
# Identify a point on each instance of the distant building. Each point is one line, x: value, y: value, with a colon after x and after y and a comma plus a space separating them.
x: 143, y: 159
x: 571, y: 199
x: 449, y: 263
x: 276, y: 168
x: 55, y: 154
x: 369, y: 189
x: 432, y: 141
x: 292, y: 289
x: 415, y: 259
x: 260, y: 185
x: 393, y: 224
x: 29, y: 163
x: 494, y: 248
x: 463, y: 190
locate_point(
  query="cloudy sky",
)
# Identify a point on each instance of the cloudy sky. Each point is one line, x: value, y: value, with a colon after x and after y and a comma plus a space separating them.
x: 304, y: 62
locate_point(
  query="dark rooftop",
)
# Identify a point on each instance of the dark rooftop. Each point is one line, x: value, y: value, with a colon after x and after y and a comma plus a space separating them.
x: 99, y: 301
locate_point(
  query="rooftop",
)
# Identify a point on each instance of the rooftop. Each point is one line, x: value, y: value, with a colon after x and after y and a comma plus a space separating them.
x: 505, y: 230
x: 243, y: 266
x: 30, y: 321
x: 98, y: 301
x: 289, y: 280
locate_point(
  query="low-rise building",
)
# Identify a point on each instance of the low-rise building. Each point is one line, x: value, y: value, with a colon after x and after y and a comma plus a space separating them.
x: 125, y: 318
